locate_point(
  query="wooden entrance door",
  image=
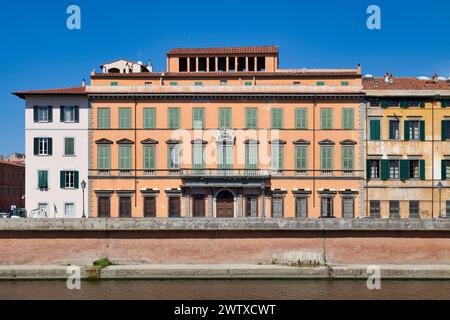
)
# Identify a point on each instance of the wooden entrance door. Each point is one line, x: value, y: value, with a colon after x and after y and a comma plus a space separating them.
x: 199, y: 207
x: 225, y: 205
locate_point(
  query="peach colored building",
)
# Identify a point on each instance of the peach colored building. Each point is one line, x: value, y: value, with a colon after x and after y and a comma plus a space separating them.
x: 225, y: 133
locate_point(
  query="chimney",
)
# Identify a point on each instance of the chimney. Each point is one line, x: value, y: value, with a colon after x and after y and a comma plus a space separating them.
x: 358, y: 68
x: 386, y: 77
x: 435, y: 77
x: 150, y: 66
x: 83, y: 83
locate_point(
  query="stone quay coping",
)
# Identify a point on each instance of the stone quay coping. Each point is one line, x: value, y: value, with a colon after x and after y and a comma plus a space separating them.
x: 251, y: 224
x: 225, y: 271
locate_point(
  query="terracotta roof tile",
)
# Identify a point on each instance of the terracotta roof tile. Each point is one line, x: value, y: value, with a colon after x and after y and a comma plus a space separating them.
x: 225, y: 50
x: 58, y: 91
x: 405, y: 84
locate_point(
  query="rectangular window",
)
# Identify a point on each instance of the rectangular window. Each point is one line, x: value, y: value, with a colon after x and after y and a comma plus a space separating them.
x: 173, y: 157
x: 301, y: 207
x: 414, y: 169
x: 348, y: 207
x: 103, y: 118
x: 326, y: 207
x: 174, y: 118
x: 414, y: 209
x: 348, y: 158
x: 344, y: 83
x: 104, y: 207
x: 414, y: 130
x: 447, y: 208
x: 173, y: 83
x: 43, y: 207
x: 301, y: 158
x: 251, y: 157
x: 223, y: 82
x: 174, y: 207
x: 42, y: 114
x: 277, y: 118
x: 301, y: 118
x: 251, y: 206
x: 225, y: 155
x: 198, y: 118
x: 320, y: 83
x: 277, y: 157
x: 114, y: 83
x: 69, y: 114
x: 248, y: 83
x: 149, y: 207
x: 224, y: 118
x: 445, y: 130
x: 394, y: 129
x: 374, y: 169
x: 43, y: 146
x: 445, y: 169
x: 198, y: 83
x: 104, y: 157
x: 375, y: 209
x: 394, y: 209
x: 277, y: 207
x: 326, y: 118
x: 326, y: 158
x: 125, y: 158
x: 69, y: 179
x: 394, y: 169
x: 124, y: 207
x: 149, y: 118
x: 125, y: 118
x: 69, y: 209
x: 348, y: 118
x: 43, y: 179
x: 198, y: 156
x: 149, y: 158
x: 69, y: 146
x: 375, y: 130
x: 251, y: 118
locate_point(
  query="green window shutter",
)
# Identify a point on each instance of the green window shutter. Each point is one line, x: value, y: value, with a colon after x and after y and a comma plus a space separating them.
x: 403, y: 104
x: 50, y: 146
x: 251, y: 118
x: 198, y: 118
x: 103, y: 121
x: 104, y: 157
x: 384, y: 169
x: 62, y: 179
x: 368, y: 173
x: 444, y: 125
x: 404, y: 170
x: 301, y: 118
x: 444, y: 169
x: 348, y: 119
x: 277, y: 118
x: 43, y: 179
x: 251, y: 156
x: 149, y: 118
x: 422, y: 104
x: 197, y: 156
x: 375, y: 131
x: 347, y: 158
x: 326, y: 158
x: 301, y: 158
x: 406, y: 130
x: 422, y: 130
x: 281, y: 157
x: 174, y: 118
x: 277, y: 157
x: 36, y: 146
x: 69, y: 148
x: 149, y: 157
x: 124, y: 157
x: 422, y: 169
x: 125, y: 118
x: 76, y: 179
x: 326, y: 119
x: 384, y: 104
x: 224, y: 118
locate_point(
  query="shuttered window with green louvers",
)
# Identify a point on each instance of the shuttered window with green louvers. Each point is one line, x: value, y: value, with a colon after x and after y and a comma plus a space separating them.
x: 375, y: 130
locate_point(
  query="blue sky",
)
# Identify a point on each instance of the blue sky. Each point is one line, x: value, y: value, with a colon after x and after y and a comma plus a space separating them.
x: 38, y: 51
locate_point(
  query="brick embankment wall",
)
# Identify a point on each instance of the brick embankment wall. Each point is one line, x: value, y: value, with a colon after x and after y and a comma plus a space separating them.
x: 233, y: 242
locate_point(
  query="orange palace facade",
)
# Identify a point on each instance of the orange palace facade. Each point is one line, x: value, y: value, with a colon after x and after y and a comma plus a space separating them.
x: 225, y: 133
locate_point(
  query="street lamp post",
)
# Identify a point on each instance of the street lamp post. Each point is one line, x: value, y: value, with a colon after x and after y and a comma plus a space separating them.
x: 83, y: 186
x: 439, y: 185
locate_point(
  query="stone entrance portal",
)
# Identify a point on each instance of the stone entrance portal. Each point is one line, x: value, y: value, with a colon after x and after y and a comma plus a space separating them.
x: 225, y: 205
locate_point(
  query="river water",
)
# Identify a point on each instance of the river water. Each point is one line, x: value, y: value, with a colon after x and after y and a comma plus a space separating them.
x: 225, y: 289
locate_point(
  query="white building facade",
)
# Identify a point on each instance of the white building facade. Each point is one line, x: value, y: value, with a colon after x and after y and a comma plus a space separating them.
x: 57, y: 153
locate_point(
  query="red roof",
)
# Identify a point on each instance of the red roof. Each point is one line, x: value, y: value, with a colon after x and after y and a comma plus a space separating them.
x: 58, y: 91
x: 225, y: 50
x: 404, y: 84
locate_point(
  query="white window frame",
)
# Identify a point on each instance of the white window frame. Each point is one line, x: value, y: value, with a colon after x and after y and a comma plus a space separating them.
x: 43, y: 114
x: 69, y: 179
x: 69, y: 114
x: 73, y: 214
x: 43, y: 147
